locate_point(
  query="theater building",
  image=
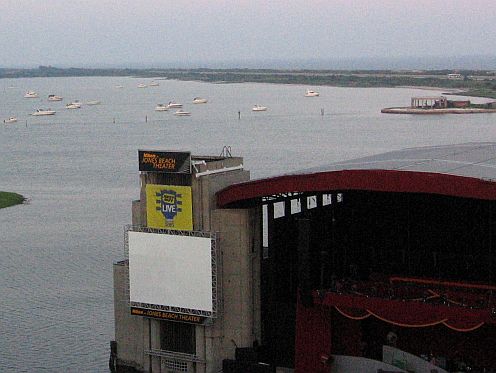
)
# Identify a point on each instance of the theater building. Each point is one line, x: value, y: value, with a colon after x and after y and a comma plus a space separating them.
x: 383, y: 263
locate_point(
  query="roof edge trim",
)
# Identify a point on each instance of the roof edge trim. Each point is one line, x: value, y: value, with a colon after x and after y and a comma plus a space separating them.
x: 366, y: 180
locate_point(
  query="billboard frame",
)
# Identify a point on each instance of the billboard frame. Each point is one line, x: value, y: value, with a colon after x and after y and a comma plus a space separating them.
x: 214, y: 263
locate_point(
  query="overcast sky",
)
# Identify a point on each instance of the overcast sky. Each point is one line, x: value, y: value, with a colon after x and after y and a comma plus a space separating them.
x: 124, y: 32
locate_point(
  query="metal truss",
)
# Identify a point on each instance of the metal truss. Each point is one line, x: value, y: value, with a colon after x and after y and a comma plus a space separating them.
x: 214, y: 264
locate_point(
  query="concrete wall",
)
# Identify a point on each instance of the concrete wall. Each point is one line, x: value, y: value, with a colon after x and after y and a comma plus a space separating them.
x: 239, y: 244
x: 235, y: 238
x: 204, y: 189
x: 129, y: 330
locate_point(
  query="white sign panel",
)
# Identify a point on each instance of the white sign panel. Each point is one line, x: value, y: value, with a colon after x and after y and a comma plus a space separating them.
x: 170, y: 270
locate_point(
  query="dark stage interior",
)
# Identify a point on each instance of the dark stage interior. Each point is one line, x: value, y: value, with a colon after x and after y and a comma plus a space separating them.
x: 363, y: 236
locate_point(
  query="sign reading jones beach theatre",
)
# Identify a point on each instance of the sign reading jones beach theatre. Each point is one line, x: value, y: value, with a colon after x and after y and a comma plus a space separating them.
x: 165, y: 315
x: 169, y: 207
x: 172, y: 162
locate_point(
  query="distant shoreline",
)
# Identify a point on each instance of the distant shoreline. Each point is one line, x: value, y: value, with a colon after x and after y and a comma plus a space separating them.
x: 474, y: 83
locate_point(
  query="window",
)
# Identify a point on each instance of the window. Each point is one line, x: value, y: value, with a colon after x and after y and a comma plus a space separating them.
x: 177, y: 337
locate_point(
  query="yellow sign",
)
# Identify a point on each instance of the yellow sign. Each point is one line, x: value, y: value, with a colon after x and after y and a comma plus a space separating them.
x: 169, y: 207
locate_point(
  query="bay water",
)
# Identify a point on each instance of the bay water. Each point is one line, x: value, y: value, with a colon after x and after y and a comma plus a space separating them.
x: 79, y: 171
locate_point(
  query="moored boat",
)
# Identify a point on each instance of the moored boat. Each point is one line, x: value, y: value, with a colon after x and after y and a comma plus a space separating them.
x: 174, y: 105
x: 310, y: 93
x: 161, y: 107
x: 10, y: 120
x: 40, y: 112
x: 182, y: 113
x: 154, y: 84
x: 199, y: 100
x: 142, y: 86
x: 73, y: 105
x: 31, y: 94
x: 55, y: 98
x: 259, y: 108
x: 93, y: 102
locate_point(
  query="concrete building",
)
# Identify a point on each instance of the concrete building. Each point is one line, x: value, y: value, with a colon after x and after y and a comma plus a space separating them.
x: 339, y: 268
x: 153, y: 344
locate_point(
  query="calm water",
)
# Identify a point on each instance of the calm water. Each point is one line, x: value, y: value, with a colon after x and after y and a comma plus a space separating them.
x: 79, y: 171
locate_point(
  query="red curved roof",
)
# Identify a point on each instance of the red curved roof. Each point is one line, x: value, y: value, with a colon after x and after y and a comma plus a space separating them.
x: 465, y: 170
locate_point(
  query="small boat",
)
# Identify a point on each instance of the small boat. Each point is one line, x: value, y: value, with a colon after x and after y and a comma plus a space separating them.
x: 93, y: 102
x: 55, y: 98
x: 31, y: 94
x: 73, y: 105
x: 259, y: 108
x: 40, y: 112
x: 182, y: 113
x: 119, y: 86
x: 199, y: 100
x: 10, y: 120
x: 142, y: 86
x: 154, y: 84
x: 161, y: 107
x: 310, y: 93
x: 174, y: 105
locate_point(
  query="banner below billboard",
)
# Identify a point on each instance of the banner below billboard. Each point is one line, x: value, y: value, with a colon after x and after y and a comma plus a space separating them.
x: 165, y: 315
x: 169, y: 207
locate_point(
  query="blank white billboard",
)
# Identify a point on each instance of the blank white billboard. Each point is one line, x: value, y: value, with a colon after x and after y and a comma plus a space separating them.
x: 170, y: 270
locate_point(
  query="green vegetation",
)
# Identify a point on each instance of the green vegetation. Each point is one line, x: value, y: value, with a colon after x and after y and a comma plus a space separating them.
x: 8, y: 199
x: 474, y: 83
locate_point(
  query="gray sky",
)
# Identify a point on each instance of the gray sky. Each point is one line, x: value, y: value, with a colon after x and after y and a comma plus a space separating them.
x: 123, y: 32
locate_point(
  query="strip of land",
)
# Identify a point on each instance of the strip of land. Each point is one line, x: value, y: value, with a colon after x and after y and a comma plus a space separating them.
x: 8, y: 199
x: 470, y: 82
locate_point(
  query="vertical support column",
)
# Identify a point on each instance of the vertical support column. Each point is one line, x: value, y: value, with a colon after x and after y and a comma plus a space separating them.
x: 491, y: 241
x: 155, y: 343
x: 267, y: 275
x: 304, y: 203
x: 313, y: 332
x: 304, y: 280
x: 201, y: 349
x: 287, y: 208
x: 318, y: 198
x: 313, y: 339
x: 147, y: 363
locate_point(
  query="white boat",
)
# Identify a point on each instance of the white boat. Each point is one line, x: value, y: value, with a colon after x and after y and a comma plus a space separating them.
x: 182, y: 113
x: 161, y: 107
x: 310, y: 93
x: 153, y: 84
x: 10, y: 120
x: 73, y: 105
x: 93, y: 102
x: 142, y: 86
x: 55, y: 98
x: 119, y: 86
x: 174, y: 105
x: 31, y: 94
x: 199, y: 100
x: 259, y: 108
x: 40, y: 112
